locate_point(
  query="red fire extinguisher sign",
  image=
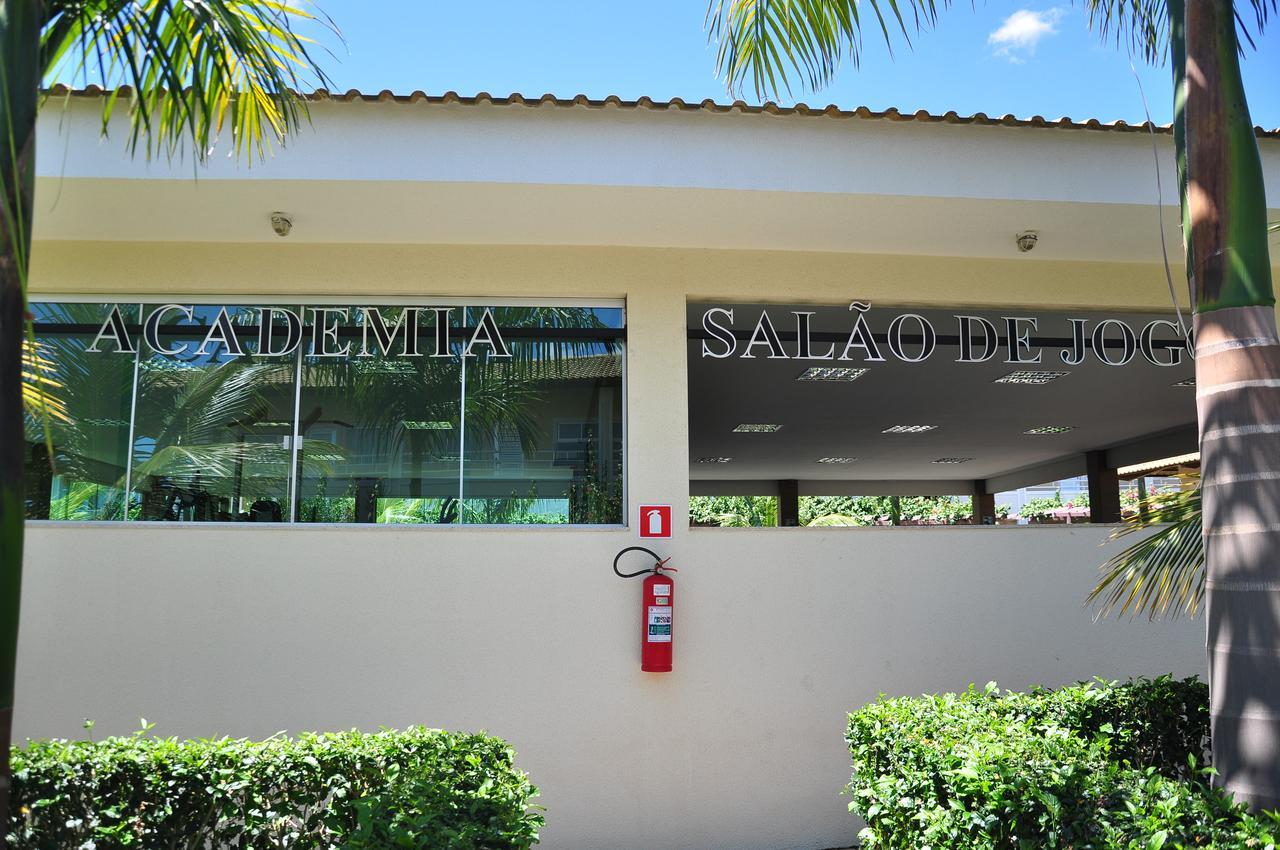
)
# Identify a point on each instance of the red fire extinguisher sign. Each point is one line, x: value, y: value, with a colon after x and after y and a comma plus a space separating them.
x: 655, y: 520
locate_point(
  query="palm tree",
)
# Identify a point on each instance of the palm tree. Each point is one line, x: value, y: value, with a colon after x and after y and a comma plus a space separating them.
x: 762, y: 42
x: 196, y: 68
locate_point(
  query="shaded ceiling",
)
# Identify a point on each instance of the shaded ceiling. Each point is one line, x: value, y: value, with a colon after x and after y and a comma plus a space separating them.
x: 976, y: 418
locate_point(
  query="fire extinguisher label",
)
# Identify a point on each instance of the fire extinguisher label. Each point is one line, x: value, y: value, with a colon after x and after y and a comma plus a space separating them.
x: 659, y: 624
x: 662, y: 590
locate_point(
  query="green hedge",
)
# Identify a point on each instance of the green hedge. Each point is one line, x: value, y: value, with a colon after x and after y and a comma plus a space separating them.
x: 1101, y: 766
x: 418, y: 788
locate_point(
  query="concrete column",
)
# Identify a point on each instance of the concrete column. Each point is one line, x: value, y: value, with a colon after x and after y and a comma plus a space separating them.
x: 789, y: 503
x: 984, y: 504
x: 1104, y: 488
x: 658, y: 404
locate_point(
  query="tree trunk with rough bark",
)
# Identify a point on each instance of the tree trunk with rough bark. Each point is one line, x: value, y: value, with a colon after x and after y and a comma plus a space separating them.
x: 1238, y: 399
x: 20, y: 23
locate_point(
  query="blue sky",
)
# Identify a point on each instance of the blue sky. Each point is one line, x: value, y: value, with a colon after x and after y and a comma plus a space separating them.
x: 1027, y: 58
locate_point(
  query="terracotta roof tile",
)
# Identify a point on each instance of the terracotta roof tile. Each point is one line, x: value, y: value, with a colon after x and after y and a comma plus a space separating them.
x: 677, y: 104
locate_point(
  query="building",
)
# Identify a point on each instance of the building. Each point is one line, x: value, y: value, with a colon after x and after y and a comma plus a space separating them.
x: 377, y: 468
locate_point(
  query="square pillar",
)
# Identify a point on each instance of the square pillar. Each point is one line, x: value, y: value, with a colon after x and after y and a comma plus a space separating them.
x: 1104, y: 488
x: 984, y: 504
x: 657, y: 427
x: 789, y: 503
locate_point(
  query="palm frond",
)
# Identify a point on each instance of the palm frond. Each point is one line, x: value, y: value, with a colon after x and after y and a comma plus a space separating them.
x: 196, y: 67
x: 40, y: 387
x: 1142, y: 26
x: 1163, y: 573
x: 762, y: 42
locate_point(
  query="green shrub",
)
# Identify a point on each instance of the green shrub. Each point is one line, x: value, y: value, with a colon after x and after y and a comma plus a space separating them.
x: 418, y: 788
x: 1089, y: 766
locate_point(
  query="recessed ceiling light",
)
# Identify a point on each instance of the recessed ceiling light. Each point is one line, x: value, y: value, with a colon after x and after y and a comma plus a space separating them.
x: 1185, y: 382
x: 836, y: 459
x: 756, y: 429
x: 1050, y: 429
x: 427, y: 425
x: 715, y: 460
x: 1030, y: 376
x: 831, y: 373
x: 908, y: 429
x: 953, y: 460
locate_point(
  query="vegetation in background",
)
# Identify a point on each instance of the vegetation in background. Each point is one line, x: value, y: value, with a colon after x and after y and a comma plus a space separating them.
x: 820, y: 511
x: 733, y: 511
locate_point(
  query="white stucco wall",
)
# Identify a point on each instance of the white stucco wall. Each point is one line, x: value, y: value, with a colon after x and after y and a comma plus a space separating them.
x: 779, y: 632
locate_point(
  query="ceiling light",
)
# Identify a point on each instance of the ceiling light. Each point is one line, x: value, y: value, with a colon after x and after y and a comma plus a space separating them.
x: 908, y: 429
x: 756, y: 429
x: 715, y: 460
x: 831, y: 373
x: 427, y: 425
x: 1185, y: 382
x: 1050, y: 429
x: 953, y: 460
x: 1029, y: 376
x: 836, y: 459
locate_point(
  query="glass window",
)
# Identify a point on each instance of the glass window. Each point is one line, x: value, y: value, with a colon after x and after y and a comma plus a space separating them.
x: 214, y: 415
x: 90, y: 394
x: 315, y: 413
x: 544, y: 423
x: 381, y: 425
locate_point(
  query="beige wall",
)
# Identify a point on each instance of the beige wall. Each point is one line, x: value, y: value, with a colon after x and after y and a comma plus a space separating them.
x: 525, y: 632
x: 779, y: 632
x: 548, y: 272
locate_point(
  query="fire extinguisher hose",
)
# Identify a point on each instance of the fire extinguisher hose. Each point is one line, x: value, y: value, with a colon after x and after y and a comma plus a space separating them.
x: 659, y: 564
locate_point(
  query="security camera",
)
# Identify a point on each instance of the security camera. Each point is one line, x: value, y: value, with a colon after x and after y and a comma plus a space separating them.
x: 281, y: 223
x: 1027, y: 240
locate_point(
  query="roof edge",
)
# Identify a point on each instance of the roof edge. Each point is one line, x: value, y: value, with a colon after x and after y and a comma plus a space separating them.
x: 679, y: 105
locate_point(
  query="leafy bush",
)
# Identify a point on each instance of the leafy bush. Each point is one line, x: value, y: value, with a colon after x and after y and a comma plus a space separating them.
x: 733, y: 511
x: 870, y: 510
x: 1043, y: 507
x: 418, y: 788
x: 1090, y: 766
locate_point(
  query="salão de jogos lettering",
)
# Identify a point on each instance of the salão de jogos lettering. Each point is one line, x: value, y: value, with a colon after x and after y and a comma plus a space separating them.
x: 912, y: 338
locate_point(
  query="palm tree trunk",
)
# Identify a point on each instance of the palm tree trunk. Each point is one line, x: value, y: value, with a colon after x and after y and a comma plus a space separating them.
x: 20, y: 22
x: 1238, y: 401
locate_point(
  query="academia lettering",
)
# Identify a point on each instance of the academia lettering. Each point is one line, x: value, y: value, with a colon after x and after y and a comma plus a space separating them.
x: 279, y: 331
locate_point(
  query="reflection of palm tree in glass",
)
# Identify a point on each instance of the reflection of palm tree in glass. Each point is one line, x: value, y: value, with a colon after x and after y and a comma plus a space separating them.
x: 410, y: 408
x: 211, y: 442
x: 90, y: 439
x: 593, y: 492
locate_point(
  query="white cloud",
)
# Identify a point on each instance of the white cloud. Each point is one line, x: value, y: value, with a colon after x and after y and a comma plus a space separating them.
x: 1018, y: 36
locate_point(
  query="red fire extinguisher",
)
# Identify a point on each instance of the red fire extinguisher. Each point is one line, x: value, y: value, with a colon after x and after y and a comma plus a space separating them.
x: 657, y: 611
